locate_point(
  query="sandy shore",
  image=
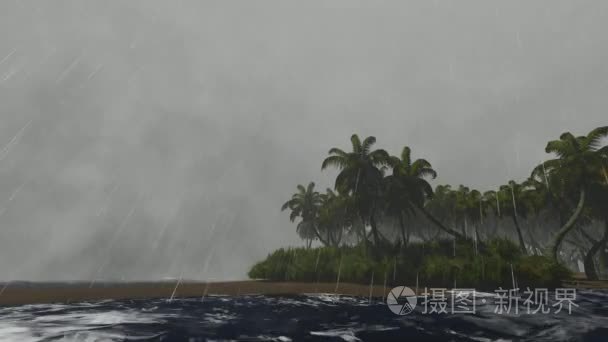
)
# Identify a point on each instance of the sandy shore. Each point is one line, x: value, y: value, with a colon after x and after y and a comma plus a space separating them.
x: 59, y: 293
x: 34, y: 293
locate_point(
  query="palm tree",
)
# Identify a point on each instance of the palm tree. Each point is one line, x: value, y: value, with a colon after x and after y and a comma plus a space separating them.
x: 492, y: 201
x: 598, y: 209
x: 462, y: 197
x: 512, y: 194
x: 406, y: 188
x: 398, y: 204
x: 535, y: 200
x: 443, y: 204
x: 578, y: 164
x: 475, y: 210
x: 360, y: 176
x: 334, y: 216
x: 305, y: 204
x: 410, y: 176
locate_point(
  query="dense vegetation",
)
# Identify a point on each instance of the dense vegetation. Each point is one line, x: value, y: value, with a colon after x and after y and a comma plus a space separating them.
x: 438, y: 263
x: 384, y: 218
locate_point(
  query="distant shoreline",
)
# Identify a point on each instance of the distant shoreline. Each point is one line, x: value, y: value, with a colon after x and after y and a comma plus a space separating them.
x: 33, y: 293
x: 21, y: 293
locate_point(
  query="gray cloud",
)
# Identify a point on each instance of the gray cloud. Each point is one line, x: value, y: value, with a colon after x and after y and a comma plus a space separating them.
x: 198, y: 113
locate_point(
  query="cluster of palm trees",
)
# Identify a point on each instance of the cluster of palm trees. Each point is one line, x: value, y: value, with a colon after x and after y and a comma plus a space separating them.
x: 381, y: 200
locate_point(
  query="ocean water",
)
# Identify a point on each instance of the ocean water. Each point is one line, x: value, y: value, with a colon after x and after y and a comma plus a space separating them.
x: 296, y: 318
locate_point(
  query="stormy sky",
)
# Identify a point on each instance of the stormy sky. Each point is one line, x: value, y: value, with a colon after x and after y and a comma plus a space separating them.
x: 148, y: 139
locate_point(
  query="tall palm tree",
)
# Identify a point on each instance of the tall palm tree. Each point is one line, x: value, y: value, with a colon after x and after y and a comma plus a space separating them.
x: 462, y: 197
x: 406, y: 188
x: 475, y: 212
x: 578, y: 164
x: 360, y: 176
x: 512, y: 194
x: 305, y: 204
x: 492, y: 201
x: 410, y: 177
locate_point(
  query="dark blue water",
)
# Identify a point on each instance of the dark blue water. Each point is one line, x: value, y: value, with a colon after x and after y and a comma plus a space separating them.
x: 301, y: 318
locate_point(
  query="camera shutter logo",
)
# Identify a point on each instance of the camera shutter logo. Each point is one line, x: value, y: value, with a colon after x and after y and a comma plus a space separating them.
x: 401, y: 300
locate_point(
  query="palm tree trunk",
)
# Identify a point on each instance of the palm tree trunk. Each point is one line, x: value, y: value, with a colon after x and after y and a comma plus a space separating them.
x: 362, y: 234
x: 402, y: 224
x: 325, y: 243
x: 590, y: 271
x: 372, y: 223
x: 339, y: 237
x: 464, y: 227
x: 567, y: 227
x: 522, y: 244
x: 603, y: 262
x: 533, y: 241
x: 436, y: 222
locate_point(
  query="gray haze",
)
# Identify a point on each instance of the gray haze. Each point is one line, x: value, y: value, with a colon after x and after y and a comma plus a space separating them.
x: 120, y: 118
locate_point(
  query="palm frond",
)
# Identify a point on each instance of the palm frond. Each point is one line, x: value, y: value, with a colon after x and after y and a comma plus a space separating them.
x: 380, y: 157
x: 286, y: 205
x: 395, y: 163
x: 356, y: 143
x: 310, y: 187
x: 560, y: 147
x: 335, y: 161
x: 406, y: 156
x: 594, y: 138
x: 367, y: 144
x: 338, y: 152
x: 294, y: 214
x: 427, y: 172
x: 421, y: 163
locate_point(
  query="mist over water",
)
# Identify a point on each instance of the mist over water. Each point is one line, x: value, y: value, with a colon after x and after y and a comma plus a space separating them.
x: 145, y: 139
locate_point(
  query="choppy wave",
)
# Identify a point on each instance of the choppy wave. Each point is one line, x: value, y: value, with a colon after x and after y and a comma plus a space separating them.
x: 307, y: 317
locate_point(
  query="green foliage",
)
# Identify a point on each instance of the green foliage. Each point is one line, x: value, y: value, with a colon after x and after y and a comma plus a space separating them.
x: 434, y: 263
x: 540, y: 271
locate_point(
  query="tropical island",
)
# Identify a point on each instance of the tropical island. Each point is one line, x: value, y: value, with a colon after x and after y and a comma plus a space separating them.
x: 383, y: 223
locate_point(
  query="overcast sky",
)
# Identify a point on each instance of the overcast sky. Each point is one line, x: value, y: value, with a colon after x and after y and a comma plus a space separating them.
x: 148, y: 139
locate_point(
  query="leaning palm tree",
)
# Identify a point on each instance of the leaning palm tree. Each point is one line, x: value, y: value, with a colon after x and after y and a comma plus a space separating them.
x: 360, y: 176
x: 305, y: 204
x: 442, y: 206
x: 597, y: 209
x: 536, y: 201
x: 409, y: 191
x: 334, y: 216
x: 578, y: 164
x: 398, y: 204
x: 513, y: 191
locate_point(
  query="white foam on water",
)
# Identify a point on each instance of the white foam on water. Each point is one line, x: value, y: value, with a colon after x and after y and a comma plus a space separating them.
x: 44, y: 321
x: 10, y: 332
x: 347, y: 335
